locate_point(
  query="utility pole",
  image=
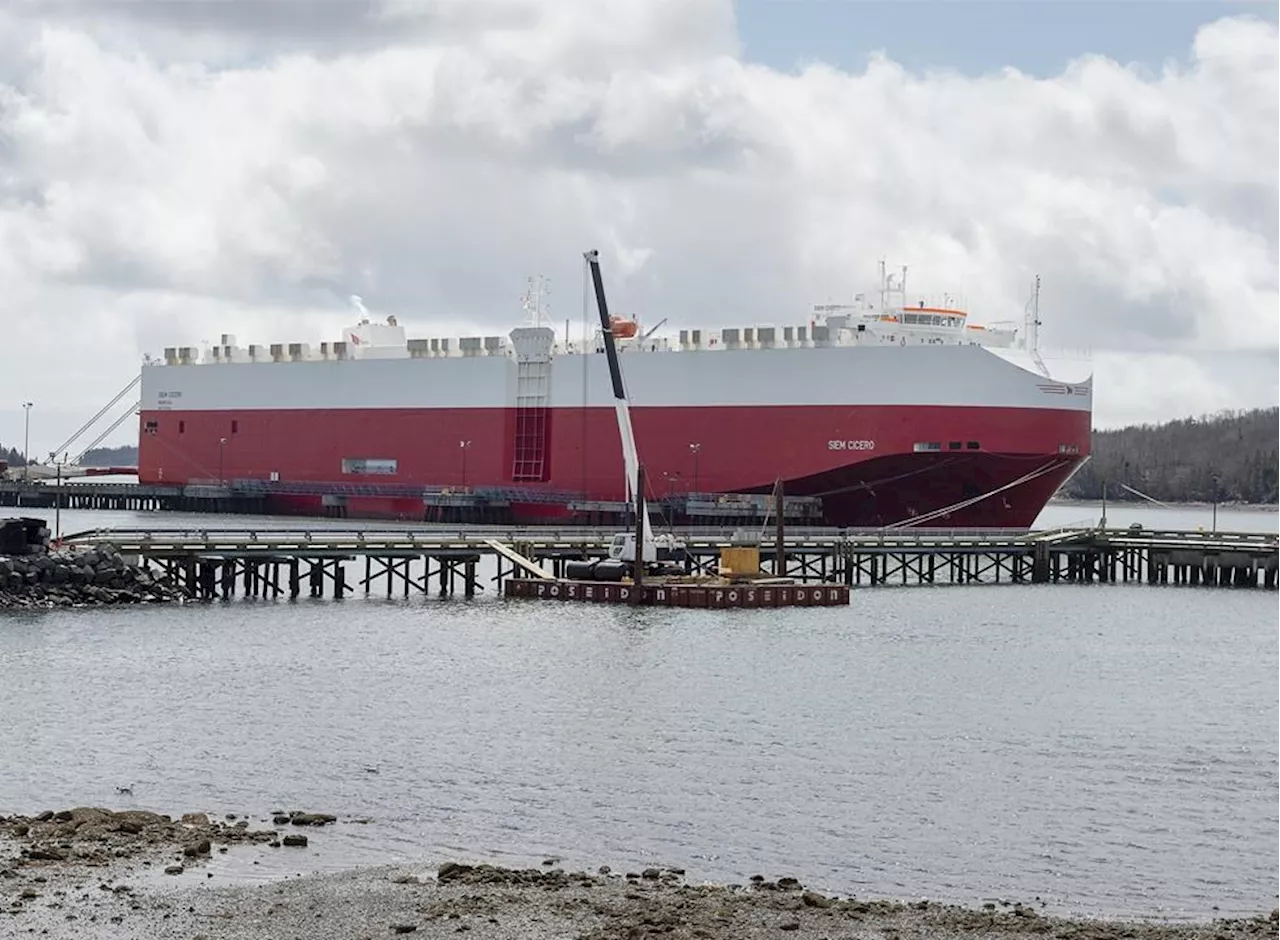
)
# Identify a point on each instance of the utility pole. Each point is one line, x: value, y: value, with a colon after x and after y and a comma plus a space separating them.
x: 695, y: 448
x: 57, y: 508
x: 222, y: 446
x: 26, y: 443
x: 464, y: 446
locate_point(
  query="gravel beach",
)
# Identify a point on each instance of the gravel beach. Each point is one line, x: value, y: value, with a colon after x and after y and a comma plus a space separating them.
x: 93, y: 874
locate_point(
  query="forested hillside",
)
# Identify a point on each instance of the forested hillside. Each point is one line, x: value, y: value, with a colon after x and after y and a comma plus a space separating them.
x: 1230, y: 456
x: 125, y: 456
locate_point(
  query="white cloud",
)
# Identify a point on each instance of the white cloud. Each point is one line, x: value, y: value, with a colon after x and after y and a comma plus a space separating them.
x: 156, y: 189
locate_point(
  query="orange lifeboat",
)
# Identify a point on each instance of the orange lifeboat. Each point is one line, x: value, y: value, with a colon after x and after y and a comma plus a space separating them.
x: 623, y: 328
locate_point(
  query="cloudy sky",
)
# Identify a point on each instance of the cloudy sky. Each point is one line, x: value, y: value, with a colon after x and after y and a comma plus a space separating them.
x: 177, y: 169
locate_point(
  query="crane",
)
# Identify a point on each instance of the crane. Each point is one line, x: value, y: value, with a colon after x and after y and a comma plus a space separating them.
x: 656, y: 549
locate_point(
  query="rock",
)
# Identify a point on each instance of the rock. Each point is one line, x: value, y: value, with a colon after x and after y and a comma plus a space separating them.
x: 47, y: 855
x: 813, y: 899
x: 295, y: 839
x: 312, y: 819
x: 403, y: 928
x: 197, y: 849
x: 790, y: 925
x: 789, y: 884
x: 650, y: 874
x: 280, y: 819
x: 195, y: 819
x: 174, y: 870
x: 449, y: 871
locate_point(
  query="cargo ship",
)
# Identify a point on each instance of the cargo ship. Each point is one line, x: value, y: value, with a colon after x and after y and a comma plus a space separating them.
x: 888, y: 411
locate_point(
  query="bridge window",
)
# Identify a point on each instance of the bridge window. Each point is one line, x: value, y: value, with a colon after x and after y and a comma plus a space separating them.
x: 369, y: 465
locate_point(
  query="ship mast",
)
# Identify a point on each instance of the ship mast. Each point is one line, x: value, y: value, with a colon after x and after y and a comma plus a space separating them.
x: 1031, y: 337
x: 532, y: 300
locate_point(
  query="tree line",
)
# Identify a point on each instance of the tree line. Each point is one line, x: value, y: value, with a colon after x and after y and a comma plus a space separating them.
x: 1230, y: 456
x: 125, y: 456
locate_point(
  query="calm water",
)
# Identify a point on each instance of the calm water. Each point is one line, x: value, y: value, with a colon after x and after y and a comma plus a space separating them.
x: 1110, y: 749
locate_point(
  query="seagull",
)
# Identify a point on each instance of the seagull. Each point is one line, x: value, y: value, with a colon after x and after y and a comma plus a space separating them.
x: 128, y: 789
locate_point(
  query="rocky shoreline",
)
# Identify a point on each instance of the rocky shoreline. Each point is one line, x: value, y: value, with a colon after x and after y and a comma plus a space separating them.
x: 78, y: 578
x: 101, y: 875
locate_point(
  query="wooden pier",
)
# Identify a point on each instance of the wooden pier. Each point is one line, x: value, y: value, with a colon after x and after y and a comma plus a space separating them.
x: 131, y: 497
x: 208, y: 563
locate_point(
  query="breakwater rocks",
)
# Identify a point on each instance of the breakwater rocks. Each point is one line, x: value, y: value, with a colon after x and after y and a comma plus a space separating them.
x: 78, y: 578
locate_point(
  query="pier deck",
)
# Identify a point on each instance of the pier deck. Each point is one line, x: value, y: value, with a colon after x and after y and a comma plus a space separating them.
x: 271, y: 562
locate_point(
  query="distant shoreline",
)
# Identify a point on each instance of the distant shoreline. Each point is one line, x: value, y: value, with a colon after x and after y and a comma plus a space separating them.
x: 1234, y: 507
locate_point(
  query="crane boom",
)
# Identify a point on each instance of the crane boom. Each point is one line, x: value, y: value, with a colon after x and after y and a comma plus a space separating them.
x: 630, y: 457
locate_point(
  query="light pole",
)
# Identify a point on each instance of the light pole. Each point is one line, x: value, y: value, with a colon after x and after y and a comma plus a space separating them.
x: 695, y: 448
x: 26, y: 442
x: 57, y: 505
x: 1214, y: 480
x: 222, y: 447
x: 464, y: 446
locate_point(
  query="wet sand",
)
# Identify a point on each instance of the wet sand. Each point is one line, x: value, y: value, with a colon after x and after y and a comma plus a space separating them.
x: 92, y: 874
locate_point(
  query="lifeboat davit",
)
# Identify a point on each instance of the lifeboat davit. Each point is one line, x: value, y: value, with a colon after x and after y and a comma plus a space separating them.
x: 623, y: 328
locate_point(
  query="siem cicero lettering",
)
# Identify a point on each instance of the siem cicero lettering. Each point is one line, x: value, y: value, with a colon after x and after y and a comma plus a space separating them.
x: 851, y: 445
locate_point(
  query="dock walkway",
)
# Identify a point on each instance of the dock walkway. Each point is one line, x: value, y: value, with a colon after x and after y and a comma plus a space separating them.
x: 272, y: 562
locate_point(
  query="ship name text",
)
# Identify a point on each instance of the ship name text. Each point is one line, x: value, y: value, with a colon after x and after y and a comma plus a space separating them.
x: 851, y: 445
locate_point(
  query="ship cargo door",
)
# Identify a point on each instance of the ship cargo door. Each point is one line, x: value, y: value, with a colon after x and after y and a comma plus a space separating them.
x: 531, y: 452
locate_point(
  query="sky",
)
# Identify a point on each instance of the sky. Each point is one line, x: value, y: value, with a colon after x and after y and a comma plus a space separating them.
x: 173, y: 171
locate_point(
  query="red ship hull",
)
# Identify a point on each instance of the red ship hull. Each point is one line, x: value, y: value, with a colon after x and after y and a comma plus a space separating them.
x: 994, y: 466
